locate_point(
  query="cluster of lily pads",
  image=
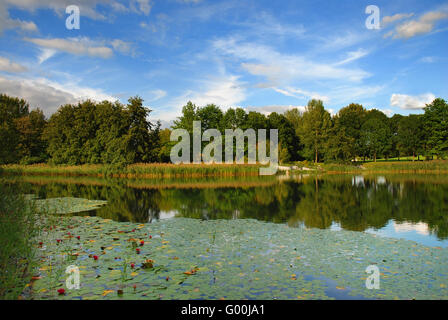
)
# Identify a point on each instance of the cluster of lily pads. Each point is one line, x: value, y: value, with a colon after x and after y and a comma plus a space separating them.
x: 185, y: 258
x: 65, y: 205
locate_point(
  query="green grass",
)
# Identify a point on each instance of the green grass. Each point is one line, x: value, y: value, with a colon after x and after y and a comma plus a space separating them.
x: 20, y: 226
x: 391, y: 166
x: 135, y: 171
x: 158, y: 170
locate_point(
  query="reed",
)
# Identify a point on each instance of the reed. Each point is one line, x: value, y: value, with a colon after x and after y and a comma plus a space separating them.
x: 136, y: 170
x: 20, y: 226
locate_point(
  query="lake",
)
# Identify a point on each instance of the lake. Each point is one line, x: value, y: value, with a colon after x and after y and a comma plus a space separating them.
x: 281, y: 237
x: 413, y: 207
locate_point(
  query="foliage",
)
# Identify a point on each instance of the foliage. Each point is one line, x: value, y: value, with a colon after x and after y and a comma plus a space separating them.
x: 115, y: 134
x: 315, y: 129
x: 19, y: 227
x: 436, y: 123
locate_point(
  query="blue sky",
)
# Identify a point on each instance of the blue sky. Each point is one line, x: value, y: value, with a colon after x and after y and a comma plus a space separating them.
x: 259, y: 55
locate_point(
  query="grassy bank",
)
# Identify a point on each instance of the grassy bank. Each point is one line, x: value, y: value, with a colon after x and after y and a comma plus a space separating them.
x: 19, y: 227
x: 156, y: 170
x: 435, y: 166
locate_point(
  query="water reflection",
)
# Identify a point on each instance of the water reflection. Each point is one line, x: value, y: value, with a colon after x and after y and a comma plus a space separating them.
x: 409, y: 207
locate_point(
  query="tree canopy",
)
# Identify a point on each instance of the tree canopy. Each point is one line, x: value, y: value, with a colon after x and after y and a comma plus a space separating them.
x: 113, y: 133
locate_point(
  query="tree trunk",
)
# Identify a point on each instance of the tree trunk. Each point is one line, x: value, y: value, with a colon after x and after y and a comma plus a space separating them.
x: 374, y: 156
x: 316, y: 158
x: 413, y: 156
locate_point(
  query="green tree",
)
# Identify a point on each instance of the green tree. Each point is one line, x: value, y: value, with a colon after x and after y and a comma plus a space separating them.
x: 436, y: 123
x: 11, y: 109
x: 316, y: 124
x: 138, y: 138
x: 348, y: 123
x: 410, y: 135
x: 376, y: 134
x: 288, y: 142
x: 189, y: 114
x: 31, y: 146
x: 394, y: 122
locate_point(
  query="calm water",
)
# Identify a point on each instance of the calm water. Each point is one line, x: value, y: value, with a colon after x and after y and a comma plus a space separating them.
x: 410, y: 207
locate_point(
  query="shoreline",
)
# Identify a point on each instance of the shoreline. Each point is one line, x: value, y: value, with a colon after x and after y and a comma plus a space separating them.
x: 158, y: 170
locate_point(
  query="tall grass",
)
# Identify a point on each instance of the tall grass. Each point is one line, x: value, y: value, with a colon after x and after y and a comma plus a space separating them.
x: 408, y: 166
x: 19, y: 227
x: 156, y: 170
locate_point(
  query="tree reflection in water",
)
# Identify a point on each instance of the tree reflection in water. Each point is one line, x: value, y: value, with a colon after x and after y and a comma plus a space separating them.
x: 354, y: 202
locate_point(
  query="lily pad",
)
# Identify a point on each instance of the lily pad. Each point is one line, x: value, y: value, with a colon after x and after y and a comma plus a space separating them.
x: 234, y: 259
x: 68, y: 205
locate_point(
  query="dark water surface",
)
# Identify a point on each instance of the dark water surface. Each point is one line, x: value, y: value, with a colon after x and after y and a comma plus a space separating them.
x: 413, y: 207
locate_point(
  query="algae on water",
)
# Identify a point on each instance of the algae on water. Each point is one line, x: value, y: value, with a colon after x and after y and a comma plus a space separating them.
x: 233, y: 259
x: 67, y: 205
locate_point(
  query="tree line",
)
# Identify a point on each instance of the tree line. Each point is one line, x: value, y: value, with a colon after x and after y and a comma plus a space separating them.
x: 114, y: 133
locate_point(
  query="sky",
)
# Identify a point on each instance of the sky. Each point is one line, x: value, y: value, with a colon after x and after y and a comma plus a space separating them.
x: 259, y: 55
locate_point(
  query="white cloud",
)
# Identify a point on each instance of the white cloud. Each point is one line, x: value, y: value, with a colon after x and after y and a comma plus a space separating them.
x: 157, y: 94
x: 77, y: 46
x: 45, y: 54
x: 144, y: 6
x: 226, y: 91
x: 404, y: 101
x: 279, y: 68
x: 123, y: 47
x: 9, y: 66
x: 274, y: 108
x: 428, y: 59
x: 352, y: 56
x: 299, y: 93
x: 88, y: 8
x: 50, y: 95
x: 7, y: 23
x: 396, y: 17
x: 423, y: 25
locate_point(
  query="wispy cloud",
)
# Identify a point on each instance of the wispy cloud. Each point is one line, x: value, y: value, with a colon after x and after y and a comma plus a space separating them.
x: 157, y: 95
x: 300, y: 94
x: 82, y: 46
x: 396, y: 17
x: 9, y: 66
x: 7, y: 23
x: 412, y: 28
x: 274, y: 108
x: 352, y: 56
x: 261, y: 60
x: 77, y: 46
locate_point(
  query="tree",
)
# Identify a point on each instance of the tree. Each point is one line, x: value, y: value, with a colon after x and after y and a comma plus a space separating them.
x: 138, y: 139
x: 165, y: 145
x: 349, y: 120
x: 340, y: 145
x: 104, y: 132
x: 393, y: 124
x: 410, y: 135
x: 256, y: 120
x: 189, y: 114
x: 436, y: 123
x: 31, y: 146
x: 288, y: 141
x: 11, y: 109
x: 316, y: 123
x: 376, y: 134
x: 211, y: 117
